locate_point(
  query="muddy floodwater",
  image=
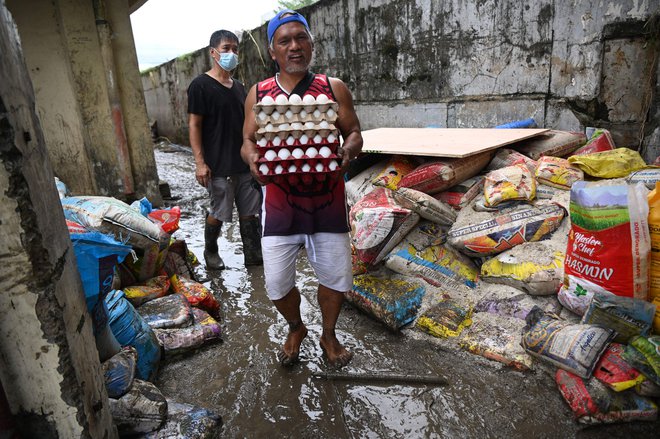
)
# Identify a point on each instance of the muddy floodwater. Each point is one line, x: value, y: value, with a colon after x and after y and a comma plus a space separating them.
x: 241, y: 379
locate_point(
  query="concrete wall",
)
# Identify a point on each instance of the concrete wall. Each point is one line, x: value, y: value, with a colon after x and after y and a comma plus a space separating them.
x: 82, y: 62
x: 49, y: 365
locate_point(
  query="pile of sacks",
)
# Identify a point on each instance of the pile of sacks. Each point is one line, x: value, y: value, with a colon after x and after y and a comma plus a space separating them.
x: 141, y: 291
x: 541, y: 250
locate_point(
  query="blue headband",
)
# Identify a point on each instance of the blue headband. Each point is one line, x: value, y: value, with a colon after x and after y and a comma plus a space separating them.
x: 278, y: 21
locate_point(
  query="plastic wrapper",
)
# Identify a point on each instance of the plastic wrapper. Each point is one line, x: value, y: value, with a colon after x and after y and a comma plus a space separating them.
x: 185, y: 421
x: 613, y: 371
x: 557, y: 172
x: 151, y: 289
x: 572, y: 347
x: 460, y: 195
x: 512, y: 183
x: 425, y: 206
x: 617, y: 163
x: 119, y: 372
x: 197, y: 294
x: 593, y: 403
x: 437, y: 175
x: 601, y: 140
x: 397, y: 167
x: 167, y: 312
x: 504, y: 230
x: 393, y: 302
x: 608, y: 245
x: 446, y: 319
x: 627, y: 316
x: 167, y: 219
x: 643, y: 353
x: 551, y: 143
x: 647, y: 176
x: 532, y: 267
x: 149, y: 263
x: 178, y: 340
x: 142, y: 410
x: 378, y: 224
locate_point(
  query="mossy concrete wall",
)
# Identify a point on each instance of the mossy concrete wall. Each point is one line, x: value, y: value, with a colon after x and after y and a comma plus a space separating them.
x: 456, y: 63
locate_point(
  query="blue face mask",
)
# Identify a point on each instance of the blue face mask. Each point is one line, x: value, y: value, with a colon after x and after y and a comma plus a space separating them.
x: 227, y: 61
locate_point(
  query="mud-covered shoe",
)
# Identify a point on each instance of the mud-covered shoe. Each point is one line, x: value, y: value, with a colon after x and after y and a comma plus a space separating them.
x: 211, y: 255
x: 213, y: 261
x: 251, y: 237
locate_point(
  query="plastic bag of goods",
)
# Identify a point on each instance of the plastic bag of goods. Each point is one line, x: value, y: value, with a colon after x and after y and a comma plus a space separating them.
x: 532, y: 267
x: 378, y: 224
x: 178, y: 340
x: 111, y: 216
x: 593, y: 403
x: 149, y: 263
x: 152, y: 289
x: 396, y: 168
x: 425, y: 206
x: 119, y: 372
x: 167, y: 219
x: 572, y: 347
x: 617, y: 163
x: 424, y: 234
x: 608, y: 245
x: 494, y: 232
x: 360, y: 185
x: 171, y: 311
x: 627, y: 316
x: 514, y: 182
x: 648, y: 176
x: 393, y: 302
x: 62, y: 190
x: 185, y: 421
x: 508, y: 157
x: 557, y: 172
x: 437, y: 175
x: 197, y: 294
x: 613, y: 371
x: 601, y: 140
x: 96, y: 255
x: 643, y: 353
x: 446, y: 319
x: 142, y: 410
x: 460, y: 195
x: 654, y: 230
x: 180, y: 260
x: 510, y: 302
x: 130, y: 329
x: 496, y: 338
x: 553, y: 143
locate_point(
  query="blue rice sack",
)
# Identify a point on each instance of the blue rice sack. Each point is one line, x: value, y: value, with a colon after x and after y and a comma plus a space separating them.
x: 627, y: 316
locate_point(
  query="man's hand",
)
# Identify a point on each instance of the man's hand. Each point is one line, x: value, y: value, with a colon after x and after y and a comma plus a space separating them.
x: 203, y: 174
x: 348, y: 124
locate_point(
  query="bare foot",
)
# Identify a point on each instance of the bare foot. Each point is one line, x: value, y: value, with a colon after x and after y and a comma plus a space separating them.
x: 290, y: 352
x: 337, y: 354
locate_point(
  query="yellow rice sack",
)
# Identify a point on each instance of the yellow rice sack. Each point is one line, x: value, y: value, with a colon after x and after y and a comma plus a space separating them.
x: 514, y: 182
x: 557, y: 172
x: 617, y: 163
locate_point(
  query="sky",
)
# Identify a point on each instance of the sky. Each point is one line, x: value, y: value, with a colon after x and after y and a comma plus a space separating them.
x: 166, y: 29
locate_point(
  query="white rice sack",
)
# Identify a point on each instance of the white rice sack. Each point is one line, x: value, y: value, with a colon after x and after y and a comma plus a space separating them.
x: 425, y: 205
x: 360, y: 185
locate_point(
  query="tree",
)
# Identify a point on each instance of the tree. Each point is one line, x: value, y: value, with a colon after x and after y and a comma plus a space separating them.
x: 293, y: 4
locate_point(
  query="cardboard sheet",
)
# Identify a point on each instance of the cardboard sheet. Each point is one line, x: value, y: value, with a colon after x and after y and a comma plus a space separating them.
x: 442, y: 142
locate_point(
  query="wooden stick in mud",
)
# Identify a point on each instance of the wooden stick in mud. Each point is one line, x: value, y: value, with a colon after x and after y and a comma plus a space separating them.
x: 398, y: 378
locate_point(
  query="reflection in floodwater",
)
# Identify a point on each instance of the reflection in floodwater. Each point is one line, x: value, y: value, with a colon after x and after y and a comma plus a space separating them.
x: 242, y: 380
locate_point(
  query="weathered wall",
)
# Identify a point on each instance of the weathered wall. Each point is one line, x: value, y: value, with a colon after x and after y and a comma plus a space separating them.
x: 49, y: 365
x: 82, y: 92
x: 457, y: 63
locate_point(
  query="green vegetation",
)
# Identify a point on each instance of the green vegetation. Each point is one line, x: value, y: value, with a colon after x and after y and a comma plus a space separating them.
x: 293, y: 4
x: 598, y: 218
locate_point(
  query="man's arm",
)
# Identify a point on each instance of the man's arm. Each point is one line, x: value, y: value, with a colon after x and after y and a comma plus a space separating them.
x: 249, y: 152
x: 202, y: 171
x: 347, y: 122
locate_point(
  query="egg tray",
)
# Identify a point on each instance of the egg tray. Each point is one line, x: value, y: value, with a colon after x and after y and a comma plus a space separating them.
x: 297, y: 134
x: 309, y: 182
x: 332, y: 146
x: 312, y: 162
x: 301, y: 117
x: 294, y: 108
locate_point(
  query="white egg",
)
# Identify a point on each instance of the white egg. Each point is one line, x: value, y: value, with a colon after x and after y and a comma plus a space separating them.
x: 332, y: 138
x: 303, y: 114
x: 279, y: 169
x: 317, y: 114
x: 262, y: 142
x: 309, y: 125
x: 325, y: 152
x: 312, y: 152
x: 288, y: 114
x: 263, y: 169
x: 284, y: 127
x: 275, y: 115
x: 277, y: 141
x: 308, y: 99
x: 284, y: 153
x: 324, y: 124
x: 281, y: 100
x: 319, y: 167
x: 318, y: 138
x: 267, y: 100
x: 270, y: 155
x: 297, y: 126
x: 290, y: 140
x: 304, y: 139
x: 295, y: 99
x: 270, y: 127
x: 333, y: 165
x: 322, y: 99
x: 330, y: 113
x: 297, y: 153
x: 306, y: 168
x: 262, y: 115
x: 292, y: 168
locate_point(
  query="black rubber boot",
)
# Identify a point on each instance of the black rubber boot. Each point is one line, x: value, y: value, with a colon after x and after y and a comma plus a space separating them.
x: 211, y: 256
x: 251, y: 237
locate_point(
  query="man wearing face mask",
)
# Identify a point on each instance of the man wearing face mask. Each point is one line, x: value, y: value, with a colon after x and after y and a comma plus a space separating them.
x: 215, y: 120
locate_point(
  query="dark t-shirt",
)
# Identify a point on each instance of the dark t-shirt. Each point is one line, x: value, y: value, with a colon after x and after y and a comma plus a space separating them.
x: 222, y: 111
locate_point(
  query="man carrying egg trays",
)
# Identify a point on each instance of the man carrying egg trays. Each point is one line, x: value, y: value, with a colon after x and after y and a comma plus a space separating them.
x: 297, y: 138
